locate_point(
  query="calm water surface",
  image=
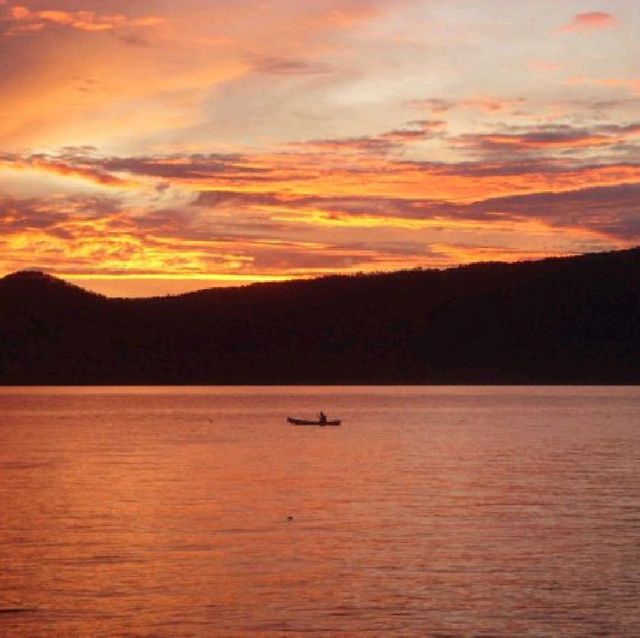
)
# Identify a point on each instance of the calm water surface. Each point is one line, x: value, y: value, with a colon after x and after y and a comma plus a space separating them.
x: 431, y: 512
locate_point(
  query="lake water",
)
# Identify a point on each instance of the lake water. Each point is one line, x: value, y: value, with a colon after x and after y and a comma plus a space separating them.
x: 431, y: 512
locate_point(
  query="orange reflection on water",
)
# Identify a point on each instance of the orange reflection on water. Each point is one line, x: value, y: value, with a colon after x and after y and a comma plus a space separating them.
x: 459, y: 510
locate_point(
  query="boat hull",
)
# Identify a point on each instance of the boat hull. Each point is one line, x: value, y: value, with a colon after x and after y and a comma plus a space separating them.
x: 318, y: 423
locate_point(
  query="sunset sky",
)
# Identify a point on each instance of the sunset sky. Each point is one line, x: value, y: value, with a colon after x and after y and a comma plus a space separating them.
x: 159, y: 146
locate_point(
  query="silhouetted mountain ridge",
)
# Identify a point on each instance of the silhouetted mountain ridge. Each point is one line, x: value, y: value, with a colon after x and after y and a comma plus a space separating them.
x: 561, y: 320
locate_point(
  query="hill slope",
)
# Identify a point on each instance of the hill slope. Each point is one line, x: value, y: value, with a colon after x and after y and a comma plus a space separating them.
x: 571, y: 320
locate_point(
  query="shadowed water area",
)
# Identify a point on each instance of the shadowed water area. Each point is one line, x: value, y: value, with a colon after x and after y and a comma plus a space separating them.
x: 431, y: 511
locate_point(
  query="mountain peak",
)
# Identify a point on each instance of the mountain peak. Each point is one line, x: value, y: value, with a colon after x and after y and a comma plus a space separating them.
x: 30, y: 275
x: 32, y: 281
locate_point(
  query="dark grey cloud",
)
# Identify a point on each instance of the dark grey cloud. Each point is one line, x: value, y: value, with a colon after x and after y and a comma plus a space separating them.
x: 614, y: 210
x: 555, y: 138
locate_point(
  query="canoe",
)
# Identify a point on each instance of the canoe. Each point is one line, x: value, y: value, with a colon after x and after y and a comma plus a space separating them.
x: 303, y: 422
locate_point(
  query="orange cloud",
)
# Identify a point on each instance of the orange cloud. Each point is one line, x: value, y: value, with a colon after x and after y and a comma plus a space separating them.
x: 590, y: 21
x: 23, y: 19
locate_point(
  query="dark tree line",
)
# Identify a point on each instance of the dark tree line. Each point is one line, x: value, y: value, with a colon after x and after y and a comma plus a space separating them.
x: 569, y: 320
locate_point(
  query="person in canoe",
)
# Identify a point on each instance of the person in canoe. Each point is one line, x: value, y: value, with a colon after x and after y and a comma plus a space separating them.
x: 322, y: 417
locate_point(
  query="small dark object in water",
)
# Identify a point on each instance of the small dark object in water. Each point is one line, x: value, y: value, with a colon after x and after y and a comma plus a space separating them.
x: 289, y: 518
x: 305, y: 422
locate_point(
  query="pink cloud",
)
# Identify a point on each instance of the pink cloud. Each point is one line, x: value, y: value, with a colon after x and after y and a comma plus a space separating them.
x: 590, y: 21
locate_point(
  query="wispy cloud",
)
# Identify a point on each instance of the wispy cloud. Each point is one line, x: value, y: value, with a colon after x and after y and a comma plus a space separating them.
x: 287, y: 66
